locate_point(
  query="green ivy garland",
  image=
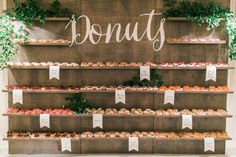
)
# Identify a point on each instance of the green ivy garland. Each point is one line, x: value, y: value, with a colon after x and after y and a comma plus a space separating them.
x: 31, y: 9
x: 24, y: 12
x: 155, y: 81
x: 77, y: 104
x: 212, y: 14
x: 7, y: 34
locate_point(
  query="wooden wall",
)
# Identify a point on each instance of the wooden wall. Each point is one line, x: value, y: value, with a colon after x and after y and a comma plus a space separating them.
x: 122, y: 11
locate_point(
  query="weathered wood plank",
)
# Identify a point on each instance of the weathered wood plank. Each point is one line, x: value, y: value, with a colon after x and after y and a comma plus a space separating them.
x: 109, y: 77
x: 116, y: 123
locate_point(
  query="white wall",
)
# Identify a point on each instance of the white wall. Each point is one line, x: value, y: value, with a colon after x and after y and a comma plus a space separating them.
x: 231, y: 127
x: 3, y: 97
x: 231, y: 122
x: 3, y: 108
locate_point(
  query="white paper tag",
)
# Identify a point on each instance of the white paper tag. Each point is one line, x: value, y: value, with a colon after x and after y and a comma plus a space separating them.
x: 209, y: 144
x: 133, y: 144
x: 66, y: 144
x: 17, y: 96
x: 120, y: 96
x: 44, y: 120
x: 187, y: 121
x: 98, y: 120
x: 169, y: 97
x: 54, y: 72
x: 211, y: 73
x: 144, y: 73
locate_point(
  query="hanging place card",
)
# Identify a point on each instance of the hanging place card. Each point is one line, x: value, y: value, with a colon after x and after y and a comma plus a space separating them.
x: 187, y: 121
x: 44, y: 120
x: 54, y: 72
x: 17, y: 96
x: 144, y: 73
x: 169, y: 97
x: 120, y: 96
x: 211, y: 72
x: 66, y: 144
x: 209, y: 144
x: 133, y: 144
x: 98, y: 120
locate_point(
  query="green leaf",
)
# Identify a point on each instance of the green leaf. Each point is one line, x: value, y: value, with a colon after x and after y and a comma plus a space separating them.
x: 77, y: 103
x: 212, y: 14
x: 155, y: 81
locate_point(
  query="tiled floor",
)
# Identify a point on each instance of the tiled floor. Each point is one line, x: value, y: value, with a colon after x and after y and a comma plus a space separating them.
x: 3, y: 153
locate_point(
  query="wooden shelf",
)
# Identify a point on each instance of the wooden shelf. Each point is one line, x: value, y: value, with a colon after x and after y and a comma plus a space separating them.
x: 181, y: 19
x: 112, y: 91
x: 132, y: 115
x: 44, y: 44
x: 54, y: 19
x: 196, y: 43
x: 177, y: 19
x: 116, y: 68
x: 59, y: 139
x: 115, y: 145
x: 50, y: 19
x: 168, y: 42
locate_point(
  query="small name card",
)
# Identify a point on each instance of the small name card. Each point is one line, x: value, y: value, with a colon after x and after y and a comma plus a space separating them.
x: 133, y: 144
x: 66, y: 144
x: 44, y: 120
x: 98, y: 120
x: 54, y: 72
x: 120, y: 96
x: 211, y: 73
x: 144, y: 73
x: 209, y: 144
x: 17, y: 96
x: 169, y: 97
x: 187, y: 121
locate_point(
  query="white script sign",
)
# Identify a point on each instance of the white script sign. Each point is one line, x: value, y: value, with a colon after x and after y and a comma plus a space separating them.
x: 17, y: 96
x: 66, y: 144
x: 133, y: 144
x: 209, y: 144
x: 94, y: 32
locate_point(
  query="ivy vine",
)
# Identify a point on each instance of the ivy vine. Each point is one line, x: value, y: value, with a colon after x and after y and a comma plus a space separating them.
x: 24, y: 12
x: 7, y: 34
x: 155, y: 81
x: 31, y: 9
x: 212, y: 14
x: 77, y: 104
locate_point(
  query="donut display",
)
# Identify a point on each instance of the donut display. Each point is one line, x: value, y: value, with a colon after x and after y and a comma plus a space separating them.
x: 87, y: 84
x: 123, y: 111
x: 48, y: 135
x: 116, y: 64
x: 196, y: 40
x: 43, y: 41
x: 112, y: 88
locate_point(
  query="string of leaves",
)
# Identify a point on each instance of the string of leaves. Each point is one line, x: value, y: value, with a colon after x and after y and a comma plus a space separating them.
x: 24, y: 12
x: 155, y: 81
x: 77, y: 104
x: 211, y: 13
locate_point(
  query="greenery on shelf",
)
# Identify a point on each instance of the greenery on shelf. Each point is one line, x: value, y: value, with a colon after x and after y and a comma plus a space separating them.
x: 155, y: 81
x: 212, y: 14
x: 24, y: 12
x: 77, y: 104
x: 7, y: 34
x: 31, y: 9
